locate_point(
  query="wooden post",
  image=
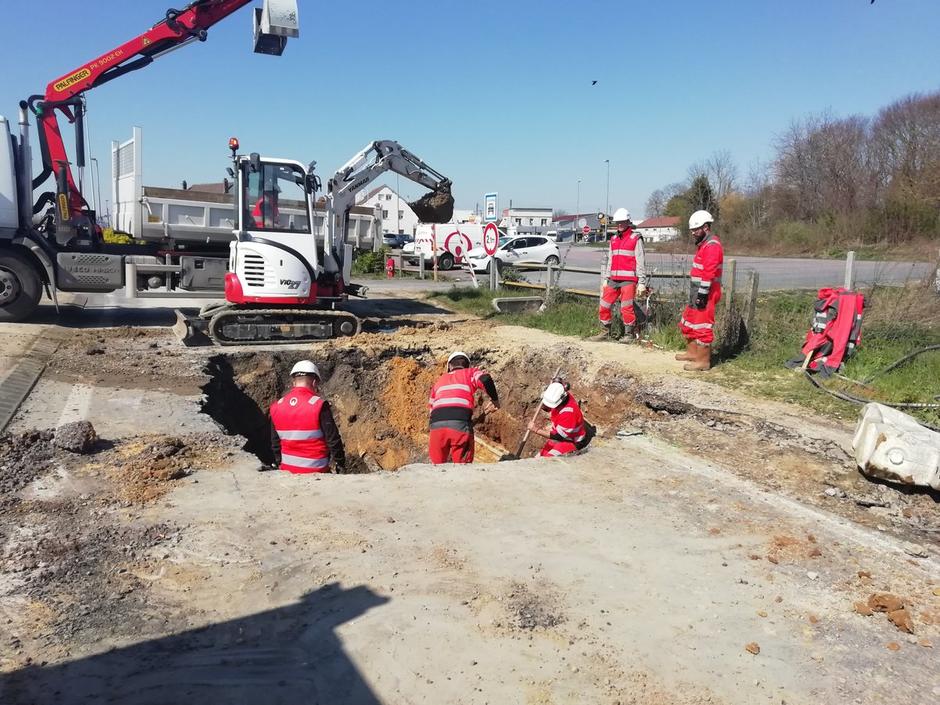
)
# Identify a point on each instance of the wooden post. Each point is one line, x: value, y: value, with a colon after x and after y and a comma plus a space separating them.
x: 550, y: 272
x: 728, y: 289
x: 850, y: 269
x: 434, y: 250
x: 493, y: 271
x: 753, y: 280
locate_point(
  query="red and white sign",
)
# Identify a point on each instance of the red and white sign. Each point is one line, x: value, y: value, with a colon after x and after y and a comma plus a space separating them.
x: 586, y: 230
x: 457, y: 244
x: 490, y: 239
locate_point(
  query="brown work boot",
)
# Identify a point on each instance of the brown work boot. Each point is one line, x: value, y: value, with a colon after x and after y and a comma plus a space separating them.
x: 601, y: 337
x: 702, y: 360
x: 628, y: 335
x: 689, y: 352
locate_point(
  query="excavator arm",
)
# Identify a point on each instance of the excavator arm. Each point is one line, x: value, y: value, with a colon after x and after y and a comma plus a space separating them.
x: 65, y: 94
x: 370, y: 163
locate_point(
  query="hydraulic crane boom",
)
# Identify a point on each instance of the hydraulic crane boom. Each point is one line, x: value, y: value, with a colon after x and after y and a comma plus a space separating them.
x: 65, y: 94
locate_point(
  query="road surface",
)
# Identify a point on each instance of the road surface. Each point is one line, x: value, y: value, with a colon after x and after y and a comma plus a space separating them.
x: 775, y: 272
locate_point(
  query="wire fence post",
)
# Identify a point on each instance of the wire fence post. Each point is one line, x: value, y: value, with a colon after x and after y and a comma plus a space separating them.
x: 493, y: 270
x: 421, y: 267
x: 936, y: 279
x: 605, y: 271
x: 550, y: 273
x: 730, y: 278
x: 850, y: 270
x: 750, y: 307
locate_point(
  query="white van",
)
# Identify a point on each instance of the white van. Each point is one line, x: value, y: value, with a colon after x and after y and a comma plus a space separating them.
x: 451, y: 242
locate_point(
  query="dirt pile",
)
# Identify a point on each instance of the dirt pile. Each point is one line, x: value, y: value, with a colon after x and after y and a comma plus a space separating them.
x: 76, y: 437
x: 23, y: 457
x: 144, y: 468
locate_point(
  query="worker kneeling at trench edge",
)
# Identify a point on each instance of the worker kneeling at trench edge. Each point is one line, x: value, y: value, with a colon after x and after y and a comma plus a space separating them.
x: 566, y: 430
x: 304, y: 435
x: 451, y: 404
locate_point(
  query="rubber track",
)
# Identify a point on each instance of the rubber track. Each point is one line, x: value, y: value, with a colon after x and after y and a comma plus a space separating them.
x: 274, y: 315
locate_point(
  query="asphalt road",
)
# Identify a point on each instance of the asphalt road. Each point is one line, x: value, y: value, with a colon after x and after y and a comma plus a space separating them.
x: 775, y: 273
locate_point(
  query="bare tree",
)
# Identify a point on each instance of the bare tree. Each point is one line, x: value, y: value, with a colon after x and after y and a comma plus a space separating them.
x: 722, y: 173
x: 655, y: 204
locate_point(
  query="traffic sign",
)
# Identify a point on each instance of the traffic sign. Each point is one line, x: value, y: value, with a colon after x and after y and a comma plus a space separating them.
x: 586, y: 230
x: 490, y: 207
x: 582, y: 222
x: 490, y: 238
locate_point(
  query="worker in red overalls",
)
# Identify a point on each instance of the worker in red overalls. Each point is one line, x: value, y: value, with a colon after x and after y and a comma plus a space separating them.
x: 304, y: 436
x: 451, y: 403
x: 266, y: 213
x: 627, y: 278
x: 698, y: 319
x: 565, y: 431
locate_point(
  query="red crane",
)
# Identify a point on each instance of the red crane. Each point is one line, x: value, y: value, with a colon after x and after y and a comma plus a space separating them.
x: 64, y: 94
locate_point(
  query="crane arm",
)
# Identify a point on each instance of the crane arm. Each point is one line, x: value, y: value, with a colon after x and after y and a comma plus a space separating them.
x: 64, y: 94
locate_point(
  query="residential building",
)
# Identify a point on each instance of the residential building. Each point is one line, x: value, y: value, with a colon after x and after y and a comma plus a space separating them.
x: 397, y: 216
x: 659, y: 229
x: 526, y: 221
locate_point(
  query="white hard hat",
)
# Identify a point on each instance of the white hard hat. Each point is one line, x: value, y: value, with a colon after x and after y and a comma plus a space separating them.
x: 457, y: 353
x: 554, y: 394
x: 305, y: 367
x: 621, y: 215
x: 699, y: 218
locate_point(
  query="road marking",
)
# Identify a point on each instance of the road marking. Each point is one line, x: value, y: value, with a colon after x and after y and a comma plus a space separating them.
x: 76, y: 405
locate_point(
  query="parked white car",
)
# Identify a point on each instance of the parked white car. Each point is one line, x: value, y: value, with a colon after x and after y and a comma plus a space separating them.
x: 531, y: 249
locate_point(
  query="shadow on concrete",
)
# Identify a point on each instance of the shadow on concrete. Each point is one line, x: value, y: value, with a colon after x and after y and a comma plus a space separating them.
x: 288, y: 655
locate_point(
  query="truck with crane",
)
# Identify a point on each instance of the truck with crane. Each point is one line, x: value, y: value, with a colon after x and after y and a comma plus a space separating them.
x: 279, y: 282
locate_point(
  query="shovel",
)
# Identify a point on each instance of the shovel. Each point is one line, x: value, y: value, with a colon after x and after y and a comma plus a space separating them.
x: 538, y: 408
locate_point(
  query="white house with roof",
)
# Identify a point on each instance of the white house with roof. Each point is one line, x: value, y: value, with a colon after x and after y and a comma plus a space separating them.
x: 659, y: 229
x: 397, y: 216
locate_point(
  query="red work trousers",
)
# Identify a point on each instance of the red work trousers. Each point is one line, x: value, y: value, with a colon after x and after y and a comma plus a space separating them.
x: 552, y: 449
x: 450, y: 446
x: 699, y: 325
x: 609, y: 297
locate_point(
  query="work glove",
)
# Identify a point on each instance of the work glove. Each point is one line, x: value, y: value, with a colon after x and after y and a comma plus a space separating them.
x: 640, y: 289
x: 701, y: 301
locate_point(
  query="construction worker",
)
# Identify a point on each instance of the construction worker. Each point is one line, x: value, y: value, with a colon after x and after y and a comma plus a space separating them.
x: 451, y: 404
x: 698, y: 319
x: 266, y: 213
x: 627, y: 278
x: 304, y: 436
x: 565, y: 431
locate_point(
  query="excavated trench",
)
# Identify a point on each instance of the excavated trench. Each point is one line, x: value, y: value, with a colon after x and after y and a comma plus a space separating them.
x: 379, y: 399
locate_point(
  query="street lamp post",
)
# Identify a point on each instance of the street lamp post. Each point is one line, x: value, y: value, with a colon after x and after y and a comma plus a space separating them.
x: 577, y: 210
x: 607, y: 203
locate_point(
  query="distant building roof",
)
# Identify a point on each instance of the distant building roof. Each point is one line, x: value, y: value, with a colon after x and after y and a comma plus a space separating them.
x: 660, y: 222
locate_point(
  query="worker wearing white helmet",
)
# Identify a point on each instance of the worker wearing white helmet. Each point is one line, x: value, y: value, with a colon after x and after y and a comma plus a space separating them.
x: 452, y: 401
x: 698, y: 320
x: 566, y: 432
x: 627, y: 279
x: 304, y: 435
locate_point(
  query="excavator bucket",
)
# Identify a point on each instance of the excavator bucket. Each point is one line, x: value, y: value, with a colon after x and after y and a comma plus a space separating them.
x: 189, y: 331
x: 436, y: 206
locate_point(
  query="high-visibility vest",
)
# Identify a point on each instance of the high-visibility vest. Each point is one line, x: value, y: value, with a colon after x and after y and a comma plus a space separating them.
x: 623, y: 256
x: 296, y: 418
x: 568, y: 421
x: 707, y: 265
x: 452, y: 397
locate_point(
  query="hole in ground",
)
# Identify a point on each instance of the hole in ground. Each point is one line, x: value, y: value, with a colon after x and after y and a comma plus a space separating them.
x: 379, y: 399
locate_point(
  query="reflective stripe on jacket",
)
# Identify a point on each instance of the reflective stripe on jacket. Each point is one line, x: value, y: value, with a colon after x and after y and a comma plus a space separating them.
x: 706, y: 267
x: 568, y: 421
x: 452, y: 398
x: 623, y: 264
x: 296, y: 418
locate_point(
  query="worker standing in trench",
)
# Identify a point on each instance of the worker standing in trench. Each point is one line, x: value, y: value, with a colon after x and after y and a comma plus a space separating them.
x: 627, y: 278
x: 566, y: 431
x: 451, y: 403
x: 698, y: 320
x: 304, y: 435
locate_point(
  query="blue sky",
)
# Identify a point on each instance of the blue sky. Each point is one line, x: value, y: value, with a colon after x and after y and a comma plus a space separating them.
x: 497, y: 95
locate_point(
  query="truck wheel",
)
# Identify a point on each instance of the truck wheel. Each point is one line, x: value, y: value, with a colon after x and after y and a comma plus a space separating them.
x: 20, y: 287
x: 445, y: 262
